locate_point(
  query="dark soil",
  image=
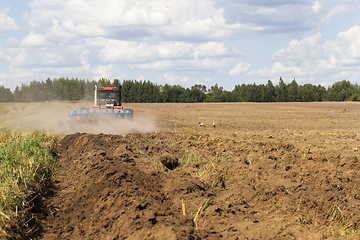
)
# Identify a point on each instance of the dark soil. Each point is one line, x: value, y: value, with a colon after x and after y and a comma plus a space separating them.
x: 114, y: 187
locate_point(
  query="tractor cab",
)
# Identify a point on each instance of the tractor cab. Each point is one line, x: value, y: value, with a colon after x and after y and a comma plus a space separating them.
x: 109, y: 97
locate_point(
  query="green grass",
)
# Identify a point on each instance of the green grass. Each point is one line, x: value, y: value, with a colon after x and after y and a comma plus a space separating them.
x: 26, y: 166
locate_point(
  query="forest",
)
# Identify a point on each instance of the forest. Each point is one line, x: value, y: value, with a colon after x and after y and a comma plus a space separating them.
x: 74, y: 89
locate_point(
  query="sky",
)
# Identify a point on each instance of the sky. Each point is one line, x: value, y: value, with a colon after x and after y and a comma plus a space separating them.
x: 187, y: 42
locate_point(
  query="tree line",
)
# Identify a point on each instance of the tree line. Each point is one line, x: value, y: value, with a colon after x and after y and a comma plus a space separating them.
x: 74, y: 89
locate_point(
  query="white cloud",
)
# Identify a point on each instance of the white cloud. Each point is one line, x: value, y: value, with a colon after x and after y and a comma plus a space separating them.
x: 104, y: 71
x: 157, y: 65
x: 262, y: 11
x: 13, y: 51
x: 307, y: 47
x: 210, y: 49
x: 278, y: 68
x: 314, y: 56
x: 171, y: 78
x: 120, y: 76
x: 81, y: 17
x: 45, y: 56
x: 11, y: 42
x: 348, y: 41
x: 202, y: 64
x: 58, y: 33
x: 82, y: 29
x: 52, y: 58
x: 327, y: 64
x: 17, y: 76
x: 337, y: 10
x: 142, y: 78
x: 143, y: 52
x: 183, y: 64
x: 33, y: 40
x: 83, y: 58
x: 142, y: 13
x: 346, y: 48
x: 3, y: 57
x: 240, y: 68
x: 317, y: 7
x: 172, y: 19
x: 7, y: 24
x: 20, y: 58
x: 131, y: 51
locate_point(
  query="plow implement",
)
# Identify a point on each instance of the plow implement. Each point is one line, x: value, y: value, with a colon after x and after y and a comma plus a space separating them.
x: 96, y: 115
x: 107, y: 109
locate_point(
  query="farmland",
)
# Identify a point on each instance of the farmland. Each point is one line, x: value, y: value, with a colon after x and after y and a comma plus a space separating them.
x: 267, y: 170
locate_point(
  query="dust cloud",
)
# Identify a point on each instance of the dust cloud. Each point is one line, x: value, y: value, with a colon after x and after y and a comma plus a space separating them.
x: 53, y: 117
x: 113, y: 126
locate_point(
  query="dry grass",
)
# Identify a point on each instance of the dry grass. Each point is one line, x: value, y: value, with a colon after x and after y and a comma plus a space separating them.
x: 343, y: 110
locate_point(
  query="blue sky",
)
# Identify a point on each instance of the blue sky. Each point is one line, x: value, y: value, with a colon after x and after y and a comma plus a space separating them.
x: 185, y: 42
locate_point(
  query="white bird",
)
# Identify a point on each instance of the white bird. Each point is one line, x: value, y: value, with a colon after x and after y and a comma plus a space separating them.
x: 214, y: 124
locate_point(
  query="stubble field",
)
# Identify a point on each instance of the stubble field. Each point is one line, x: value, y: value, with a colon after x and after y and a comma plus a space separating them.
x: 266, y: 171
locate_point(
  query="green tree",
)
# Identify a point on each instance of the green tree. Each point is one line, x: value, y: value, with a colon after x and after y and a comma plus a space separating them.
x: 239, y: 92
x: 293, y: 95
x: 281, y: 91
x: 116, y: 83
x: 197, y: 93
x: 6, y: 95
x: 341, y: 91
x: 227, y: 96
x: 214, y: 94
x: 269, y: 94
x: 102, y: 82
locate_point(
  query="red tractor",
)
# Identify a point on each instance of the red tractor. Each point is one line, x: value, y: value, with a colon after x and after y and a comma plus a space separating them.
x: 107, y: 105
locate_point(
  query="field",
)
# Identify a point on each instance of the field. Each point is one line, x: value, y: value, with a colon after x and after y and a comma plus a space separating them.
x: 266, y: 171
